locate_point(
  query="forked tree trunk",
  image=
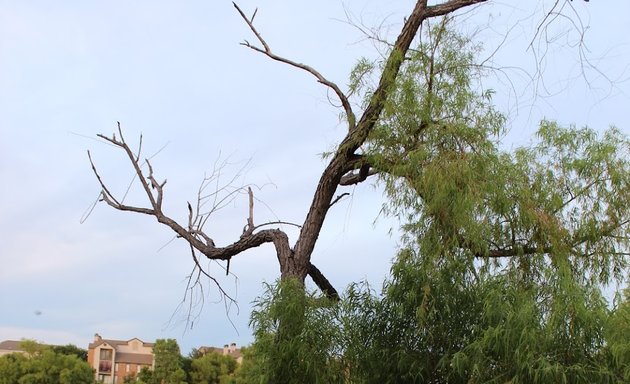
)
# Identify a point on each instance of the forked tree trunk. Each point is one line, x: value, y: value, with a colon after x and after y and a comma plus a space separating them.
x: 295, y: 262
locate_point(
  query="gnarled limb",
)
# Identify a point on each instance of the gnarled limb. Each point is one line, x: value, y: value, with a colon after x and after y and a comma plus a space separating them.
x: 193, y: 233
x: 449, y: 7
x: 352, y: 177
x: 322, y: 282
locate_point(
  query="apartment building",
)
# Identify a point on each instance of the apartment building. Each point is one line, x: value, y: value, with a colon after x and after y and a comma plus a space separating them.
x: 113, y: 360
x: 228, y: 350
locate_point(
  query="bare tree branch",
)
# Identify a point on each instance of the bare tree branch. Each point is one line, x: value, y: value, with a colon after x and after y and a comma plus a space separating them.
x: 191, y: 235
x: 352, y: 178
x: 198, y: 240
x: 513, y: 251
x: 322, y: 282
x: 449, y: 7
x: 249, y: 228
x: 202, y: 271
x: 320, y: 78
x: 277, y: 222
x: 339, y: 197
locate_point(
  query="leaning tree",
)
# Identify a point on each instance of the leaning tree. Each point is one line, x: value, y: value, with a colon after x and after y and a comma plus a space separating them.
x: 505, y: 252
x: 377, y: 143
x: 346, y: 165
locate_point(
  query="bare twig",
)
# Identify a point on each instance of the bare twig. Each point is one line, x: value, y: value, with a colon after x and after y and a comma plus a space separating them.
x: 249, y: 228
x: 266, y: 50
x: 105, y: 193
x: 339, y: 197
x: 352, y: 178
x: 277, y: 222
x: 202, y: 271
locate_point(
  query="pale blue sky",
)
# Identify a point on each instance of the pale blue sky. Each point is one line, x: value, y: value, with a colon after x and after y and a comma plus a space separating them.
x: 175, y: 72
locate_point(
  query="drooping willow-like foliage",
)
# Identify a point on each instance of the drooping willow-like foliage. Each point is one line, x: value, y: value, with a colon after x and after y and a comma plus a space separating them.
x: 505, y: 254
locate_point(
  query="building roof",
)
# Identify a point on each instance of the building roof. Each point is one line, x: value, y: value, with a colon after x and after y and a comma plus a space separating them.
x: 14, y: 345
x: 11, y: 345
x: 134, y: 358
x: 115, y: 343
x: 221, y: 351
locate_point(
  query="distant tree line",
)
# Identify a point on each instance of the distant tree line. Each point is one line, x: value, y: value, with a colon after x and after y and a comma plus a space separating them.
x: 196, y: 368
x: 43, y: 364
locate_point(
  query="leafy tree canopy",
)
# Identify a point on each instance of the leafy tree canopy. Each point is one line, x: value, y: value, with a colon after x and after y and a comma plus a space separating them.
x: 42, y: 365
x: 168, y: 364
x: 70, y: 349
x: 213, y: 368
x: 505, y: 253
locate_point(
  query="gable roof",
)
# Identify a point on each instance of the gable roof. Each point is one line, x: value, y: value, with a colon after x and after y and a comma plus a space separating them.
x: 114, y: 343
x: 11, y: 345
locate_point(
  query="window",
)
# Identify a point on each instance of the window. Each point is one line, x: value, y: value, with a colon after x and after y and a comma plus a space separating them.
x: 106, y: 354
x: 105, y: 366
x: 105, y: 363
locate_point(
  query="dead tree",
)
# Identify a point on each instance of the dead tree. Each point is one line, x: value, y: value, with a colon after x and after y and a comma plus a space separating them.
x: 345, y: 167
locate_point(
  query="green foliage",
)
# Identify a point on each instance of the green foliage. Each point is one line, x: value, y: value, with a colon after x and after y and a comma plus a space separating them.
x: 505, y: 252
x: 41, y: 365
x: 32, y: 348
x: 213, y: 368
x: 618, y: 338
x: 442, y: 325
x: 294, y: 340
x: 250, y: 370
x: 12, y: 367
x: 410, y: 334
x: 70, y: 349
x: 168, y: 363
x: 145, y: 376
x: 561, y: 204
